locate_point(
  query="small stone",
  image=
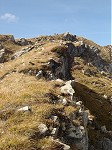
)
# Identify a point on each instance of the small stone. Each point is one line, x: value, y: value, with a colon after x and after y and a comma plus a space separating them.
x: 79, y: 103
x: 26, y: 108
x: 65, y: 146
x: 105, y: 96
x: 59, y: 80
x: 42, y: 128
x: 54, y: 118
x: 54, y: 131
x: 39, y: 74
x: 63, y: 101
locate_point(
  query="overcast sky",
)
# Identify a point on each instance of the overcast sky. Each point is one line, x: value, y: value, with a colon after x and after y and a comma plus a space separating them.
x: 30, y: 18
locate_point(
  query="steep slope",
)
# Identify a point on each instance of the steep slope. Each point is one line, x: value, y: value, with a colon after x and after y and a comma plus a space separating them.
x: 55, y: 93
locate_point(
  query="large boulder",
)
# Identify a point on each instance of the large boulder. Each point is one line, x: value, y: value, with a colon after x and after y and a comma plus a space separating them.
x: 12, y: 38
x: 69, y: 37
x: 23, y: 42
x: 68, y: 88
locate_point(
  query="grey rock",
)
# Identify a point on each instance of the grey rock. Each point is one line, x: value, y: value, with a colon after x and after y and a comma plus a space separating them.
x: 63, y: 101
x: 83, y: 143
x: 55, y: 118
x: 23, y: 42
x: 54, y: 131
x: 25, y: 108
x: 79, y: 103
x: 42, y: 128
x: 76, y: 49
x: 104, y: 144
x: 84, y: 118
x: 69, y: 37
x: 39, y: 74
x: 75, y: 132
x: 59, y: 80
x: 68, y: 88
x: 21, y: 52
x: 105, y: 96
x: 62, y: 68
x: 65, y: 146
x: 12, y: 38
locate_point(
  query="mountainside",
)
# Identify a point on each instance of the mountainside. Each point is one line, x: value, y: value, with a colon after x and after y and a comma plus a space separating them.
x: 55, y: 93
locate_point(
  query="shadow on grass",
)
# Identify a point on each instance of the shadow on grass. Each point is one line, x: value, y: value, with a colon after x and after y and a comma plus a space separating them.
x: 97, y: 105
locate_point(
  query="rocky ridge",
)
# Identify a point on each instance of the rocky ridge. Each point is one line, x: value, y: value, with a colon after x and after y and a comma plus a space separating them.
x: 62, y: 61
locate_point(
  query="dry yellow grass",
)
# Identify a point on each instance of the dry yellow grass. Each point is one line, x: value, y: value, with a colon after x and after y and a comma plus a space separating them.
x: 18, y: 90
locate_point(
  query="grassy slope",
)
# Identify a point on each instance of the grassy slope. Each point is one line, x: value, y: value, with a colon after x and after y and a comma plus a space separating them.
x: 18, y: 89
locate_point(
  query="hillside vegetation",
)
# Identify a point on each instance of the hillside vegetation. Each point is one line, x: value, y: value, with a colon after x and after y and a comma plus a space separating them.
x: 55, y: 93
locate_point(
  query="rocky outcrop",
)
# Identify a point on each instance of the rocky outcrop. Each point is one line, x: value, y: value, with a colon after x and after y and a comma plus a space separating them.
x: 4, y: 38
x: 75, y: 49
x: 67, y: 89
x: 25, y: 108
x: 92, y: 55
x: 61, y: 69
x: 22, y: 42
x: 71, y: 129
x: 68, y: 121
x: 23, y: 51
x: 57, y: 37
x: 69, y: 37
x: 42, y: 129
